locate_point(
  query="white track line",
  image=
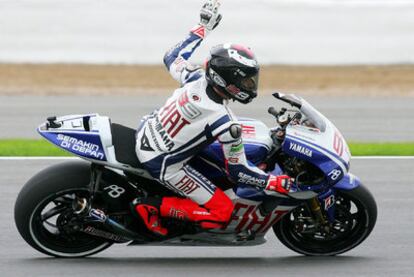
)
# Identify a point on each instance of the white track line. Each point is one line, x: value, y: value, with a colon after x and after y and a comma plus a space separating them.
x: 76, y: 158
x: 383, y: 158
x: 37, y: 158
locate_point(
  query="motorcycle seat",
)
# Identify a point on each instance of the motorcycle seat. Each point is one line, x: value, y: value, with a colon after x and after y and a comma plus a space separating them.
x: 123, y: 140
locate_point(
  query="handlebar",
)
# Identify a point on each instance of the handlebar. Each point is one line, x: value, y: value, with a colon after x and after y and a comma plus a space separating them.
x: 273, y: 111
x: 282, y: 118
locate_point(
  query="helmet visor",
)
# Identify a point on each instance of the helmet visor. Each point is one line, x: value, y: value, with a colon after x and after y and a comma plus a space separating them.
x: 250, y: 83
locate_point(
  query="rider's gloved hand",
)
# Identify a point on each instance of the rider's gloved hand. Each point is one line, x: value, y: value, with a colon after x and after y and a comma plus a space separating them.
x: 209, y: 18
x: 280, y: 184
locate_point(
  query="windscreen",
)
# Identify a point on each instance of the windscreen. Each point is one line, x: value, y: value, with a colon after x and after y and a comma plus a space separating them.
x: 314, y: 117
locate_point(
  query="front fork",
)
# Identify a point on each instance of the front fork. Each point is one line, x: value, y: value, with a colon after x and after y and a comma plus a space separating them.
x: 316, y: 208
x: 323, y: 208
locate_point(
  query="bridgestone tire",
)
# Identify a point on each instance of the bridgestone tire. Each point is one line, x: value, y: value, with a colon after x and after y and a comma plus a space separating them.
x: 50, y: 182
x: 284, y: 229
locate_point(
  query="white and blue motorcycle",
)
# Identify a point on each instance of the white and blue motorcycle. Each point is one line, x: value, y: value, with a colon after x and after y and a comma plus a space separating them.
x: 79, y: 208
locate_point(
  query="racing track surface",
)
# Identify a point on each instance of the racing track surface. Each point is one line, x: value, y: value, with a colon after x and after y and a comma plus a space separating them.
x: 387, y: 252
x: 358, y: 118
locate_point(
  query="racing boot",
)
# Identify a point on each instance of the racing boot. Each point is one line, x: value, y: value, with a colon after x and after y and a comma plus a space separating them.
x: 215, y: 213
x: 148, y: 210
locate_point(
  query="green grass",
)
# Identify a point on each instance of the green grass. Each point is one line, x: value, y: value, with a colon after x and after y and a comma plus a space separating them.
x: 382, y: 149
x: 27, y: 147
x: 33, y: 148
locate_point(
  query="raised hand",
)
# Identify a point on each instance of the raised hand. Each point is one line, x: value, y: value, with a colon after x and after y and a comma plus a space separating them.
x: 209, y: 18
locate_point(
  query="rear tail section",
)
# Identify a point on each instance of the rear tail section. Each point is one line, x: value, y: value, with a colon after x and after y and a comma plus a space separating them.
x: 88, y: 136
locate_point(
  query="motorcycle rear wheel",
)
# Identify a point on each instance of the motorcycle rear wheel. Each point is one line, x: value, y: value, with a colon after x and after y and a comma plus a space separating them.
x: 45, y: 202
x: 356, y: 208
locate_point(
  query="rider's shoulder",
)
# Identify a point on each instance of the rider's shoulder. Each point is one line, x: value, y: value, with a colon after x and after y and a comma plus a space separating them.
x: 195, y: 93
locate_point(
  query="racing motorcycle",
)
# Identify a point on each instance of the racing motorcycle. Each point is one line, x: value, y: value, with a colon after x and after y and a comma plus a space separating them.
x: 78, y: 208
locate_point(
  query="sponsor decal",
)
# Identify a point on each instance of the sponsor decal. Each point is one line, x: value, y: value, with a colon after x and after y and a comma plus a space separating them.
x: 187, y: 185
x: 335, y: 174
x: 80, y: 146
x: 234, y: 54
x: 233, y: 89
x: 178, y: 214
x: 168, y: 143
x: 195, y: 97
x: 237, y: 92
x: 145, y: 144
x: 170, y: 121
x: 216, y: 78
x: 248, y: 218
x: 199, y: 31
x: 236, y: 150
x: 189, y: 110
x: 103, y: 234
x: 329, y: 202
x: 248, y: 131
x: 241, y: 72
x: 250, y: 180
x: 154, y: 125
x: 233, y: 160
x: 201, y: 213
x: 338, y: 143
x: 114, y: 191
x: 97, y: 215
x: 300, y: 149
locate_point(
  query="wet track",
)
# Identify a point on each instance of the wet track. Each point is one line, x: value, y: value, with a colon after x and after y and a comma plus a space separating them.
x: 387, y: 252
x: 358, y: 118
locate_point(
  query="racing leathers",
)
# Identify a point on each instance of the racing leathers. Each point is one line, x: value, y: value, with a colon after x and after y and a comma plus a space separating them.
x: 191, y: 119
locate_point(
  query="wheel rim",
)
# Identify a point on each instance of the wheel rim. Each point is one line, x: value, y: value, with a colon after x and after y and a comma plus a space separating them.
x: 47, y: 227
x: 349, y: 229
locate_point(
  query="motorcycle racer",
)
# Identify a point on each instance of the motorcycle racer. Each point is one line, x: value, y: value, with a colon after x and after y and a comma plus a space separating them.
x: 195, y: 116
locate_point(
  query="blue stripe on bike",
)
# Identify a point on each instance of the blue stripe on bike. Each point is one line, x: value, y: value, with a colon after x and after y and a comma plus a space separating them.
x: 321, y: 148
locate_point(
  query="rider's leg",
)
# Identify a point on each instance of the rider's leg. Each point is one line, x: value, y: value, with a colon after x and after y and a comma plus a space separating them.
x: 213, y: 214
x: 205, y: 203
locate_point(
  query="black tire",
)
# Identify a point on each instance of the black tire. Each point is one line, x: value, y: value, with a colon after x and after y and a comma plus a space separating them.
x: 51, y: 183
x: 363, y: 222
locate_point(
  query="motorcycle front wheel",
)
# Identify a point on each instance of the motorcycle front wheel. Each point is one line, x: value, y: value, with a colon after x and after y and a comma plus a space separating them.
x: 355, y: 218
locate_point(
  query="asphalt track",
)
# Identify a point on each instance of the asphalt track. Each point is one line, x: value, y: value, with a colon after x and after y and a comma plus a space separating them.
x: 358, y: 118
x: 387, y: 252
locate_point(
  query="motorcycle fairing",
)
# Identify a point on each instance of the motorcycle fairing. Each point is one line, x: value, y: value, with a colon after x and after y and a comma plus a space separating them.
x: 327, y: 199
x: 318, y: 142
x: 85, y: 144
x: 77, y: 134
x: 348, y: 182
x: 325, y: 160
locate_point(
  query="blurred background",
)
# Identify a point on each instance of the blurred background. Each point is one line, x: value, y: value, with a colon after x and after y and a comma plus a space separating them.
x: 311, y: 32
x: 353, y: 59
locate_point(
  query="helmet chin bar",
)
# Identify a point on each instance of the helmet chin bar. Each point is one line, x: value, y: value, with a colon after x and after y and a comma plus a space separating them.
x: 226, y: 94
x: 220, y: 93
